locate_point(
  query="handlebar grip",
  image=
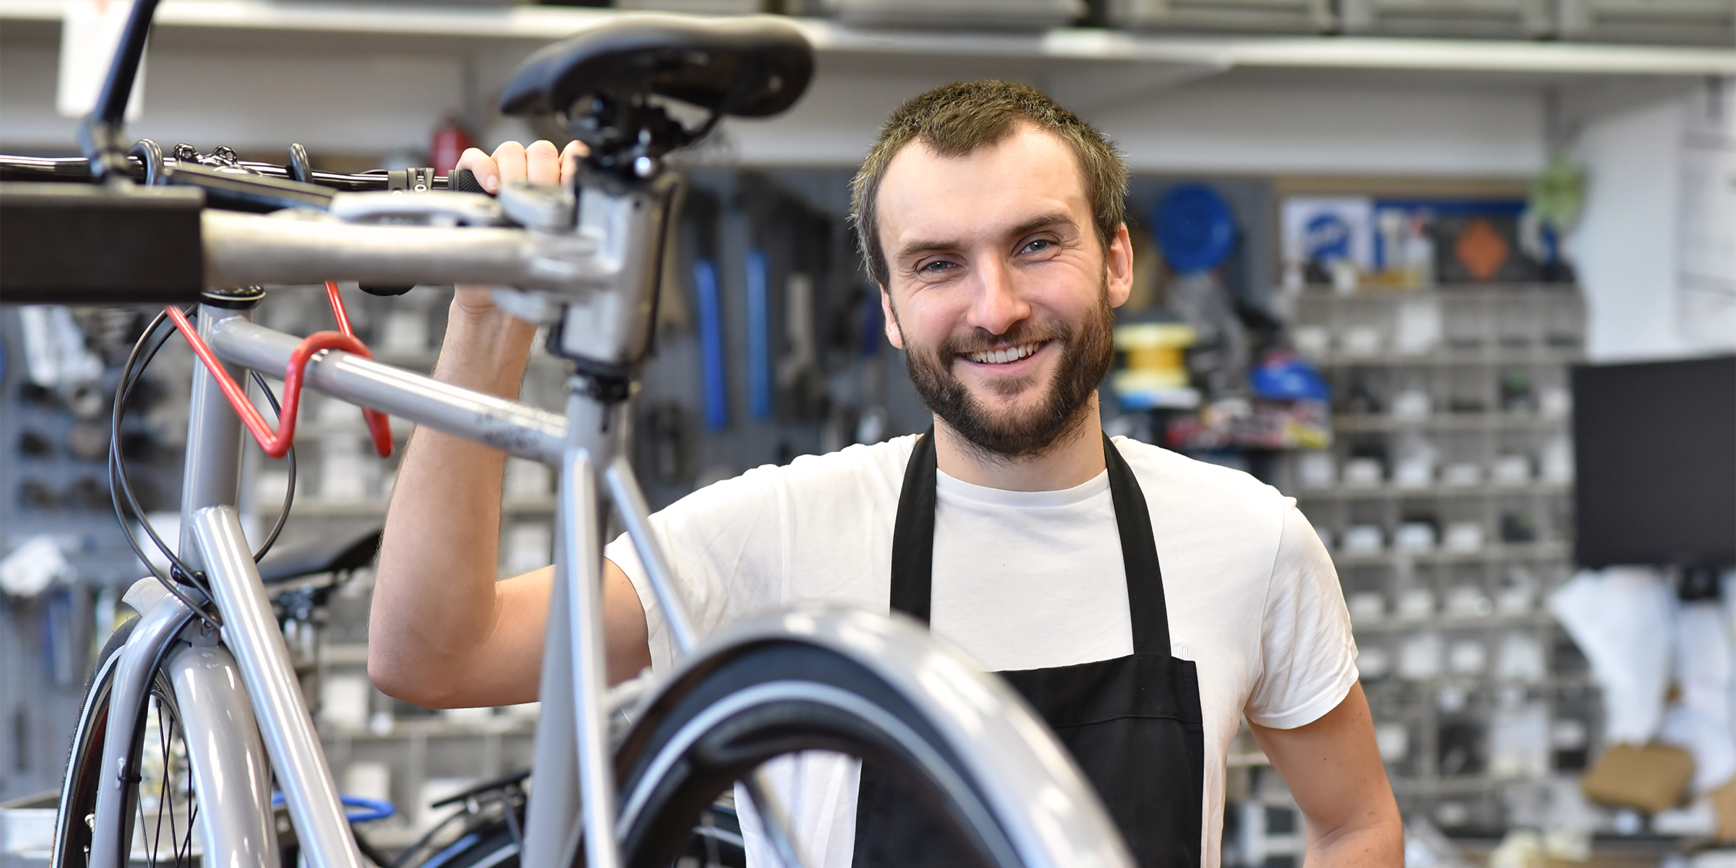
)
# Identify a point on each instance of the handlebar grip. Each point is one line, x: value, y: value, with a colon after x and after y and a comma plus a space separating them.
x: 463, y: 181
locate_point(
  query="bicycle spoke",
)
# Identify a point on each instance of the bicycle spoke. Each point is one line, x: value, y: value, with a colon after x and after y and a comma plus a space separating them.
x: 141, y: 830
x: 192, y: 815
x: 162, y: 786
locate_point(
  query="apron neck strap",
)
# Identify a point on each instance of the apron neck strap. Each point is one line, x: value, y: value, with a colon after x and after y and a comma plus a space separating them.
x: 1145, y: 597
x: 913, y: 533
x: 913, y: 545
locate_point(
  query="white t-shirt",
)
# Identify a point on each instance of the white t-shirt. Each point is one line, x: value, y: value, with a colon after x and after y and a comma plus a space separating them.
x: 1022, y: 580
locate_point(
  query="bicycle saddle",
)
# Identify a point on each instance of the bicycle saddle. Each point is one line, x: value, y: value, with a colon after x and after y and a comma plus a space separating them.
x: 326, y: 555
x: 747, y: 68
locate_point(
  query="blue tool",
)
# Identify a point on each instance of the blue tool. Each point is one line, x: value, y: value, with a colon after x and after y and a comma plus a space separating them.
x: 699, y: 213
x: 759, y: 336
x: 1288, y: 377
x: 711, y: 345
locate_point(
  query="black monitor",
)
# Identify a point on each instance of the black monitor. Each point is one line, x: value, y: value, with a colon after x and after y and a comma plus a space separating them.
x: 1655, y: 463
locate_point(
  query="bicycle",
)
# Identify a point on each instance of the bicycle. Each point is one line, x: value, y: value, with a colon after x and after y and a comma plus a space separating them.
x: 206, y: 657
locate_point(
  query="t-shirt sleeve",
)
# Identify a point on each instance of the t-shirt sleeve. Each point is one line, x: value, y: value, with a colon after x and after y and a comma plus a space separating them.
x: 724, y: 545
x: 1308, y: 657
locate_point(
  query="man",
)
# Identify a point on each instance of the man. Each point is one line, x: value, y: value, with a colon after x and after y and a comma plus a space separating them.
x: 992, y: 220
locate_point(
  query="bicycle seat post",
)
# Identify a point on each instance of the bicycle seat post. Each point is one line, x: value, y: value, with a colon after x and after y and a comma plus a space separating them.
x: 606, y: 336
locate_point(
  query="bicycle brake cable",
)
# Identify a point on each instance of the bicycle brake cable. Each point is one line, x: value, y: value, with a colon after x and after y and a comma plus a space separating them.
x: 119, y: 484
x: 289, y: 487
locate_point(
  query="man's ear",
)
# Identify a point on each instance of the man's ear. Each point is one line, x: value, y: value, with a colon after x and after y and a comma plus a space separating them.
x: 893, y: 332
x: 1118, y: 267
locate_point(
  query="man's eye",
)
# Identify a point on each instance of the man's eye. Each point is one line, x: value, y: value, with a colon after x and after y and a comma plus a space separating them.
x: 936, y: 267
x: 1038, y: 246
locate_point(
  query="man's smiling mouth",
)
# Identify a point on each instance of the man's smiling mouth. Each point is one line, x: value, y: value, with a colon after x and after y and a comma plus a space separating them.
x: 1005, y: 355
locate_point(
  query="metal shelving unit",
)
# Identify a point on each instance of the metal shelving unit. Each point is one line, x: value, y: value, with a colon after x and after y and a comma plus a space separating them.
x: 1477, y: 694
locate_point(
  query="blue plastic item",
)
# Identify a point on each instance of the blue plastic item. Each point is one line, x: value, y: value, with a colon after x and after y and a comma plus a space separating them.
x: 356, y: 808
x: 1195, y: 228
x: 1285, y: 377
x: 759, y: 335
x: 711, y: 345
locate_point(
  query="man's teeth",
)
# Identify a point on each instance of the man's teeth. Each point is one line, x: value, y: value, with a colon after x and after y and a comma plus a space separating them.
x: 1003, y: 356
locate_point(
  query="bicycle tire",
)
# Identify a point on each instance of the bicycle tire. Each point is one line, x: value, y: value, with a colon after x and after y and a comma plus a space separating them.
x: 78, y: 787
x: 731, y: 710
x: 77, y: 804
x: 493, y: 843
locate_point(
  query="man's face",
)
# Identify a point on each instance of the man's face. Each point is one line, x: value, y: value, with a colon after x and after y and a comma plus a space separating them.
x: 998, y: 288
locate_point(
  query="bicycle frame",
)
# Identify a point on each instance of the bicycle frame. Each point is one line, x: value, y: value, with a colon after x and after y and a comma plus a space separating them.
x: 606, y: 273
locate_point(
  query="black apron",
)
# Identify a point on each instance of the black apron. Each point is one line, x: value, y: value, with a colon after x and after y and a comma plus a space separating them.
x: 1132, y: 724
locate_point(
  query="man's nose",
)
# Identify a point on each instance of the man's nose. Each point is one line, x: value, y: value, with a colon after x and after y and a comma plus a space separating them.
x: 997, y: 304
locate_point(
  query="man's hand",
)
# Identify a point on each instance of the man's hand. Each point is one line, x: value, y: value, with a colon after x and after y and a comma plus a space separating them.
x: 1334, y: 771
x: 442, y: 631
x: 513, y: 163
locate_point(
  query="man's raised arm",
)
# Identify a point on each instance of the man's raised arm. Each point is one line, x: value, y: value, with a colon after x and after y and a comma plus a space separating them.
x: 442, y: 632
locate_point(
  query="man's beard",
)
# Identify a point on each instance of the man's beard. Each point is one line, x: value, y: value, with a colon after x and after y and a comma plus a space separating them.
x: 1086, y: 353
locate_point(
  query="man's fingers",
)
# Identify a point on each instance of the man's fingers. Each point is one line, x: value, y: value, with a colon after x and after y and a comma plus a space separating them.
x: 514, y: 163
x: 570, y: 156
x: 543, y: 163
x: 511, y: 160
x: 477, y: 163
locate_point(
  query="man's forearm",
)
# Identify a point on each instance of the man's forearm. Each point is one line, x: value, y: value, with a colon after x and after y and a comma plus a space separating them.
x: 1377, y: 844
x: 435, y: 601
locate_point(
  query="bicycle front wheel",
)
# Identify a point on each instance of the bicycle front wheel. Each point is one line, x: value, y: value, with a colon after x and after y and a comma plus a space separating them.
x: 1000, y: 789
x: 160, y: 804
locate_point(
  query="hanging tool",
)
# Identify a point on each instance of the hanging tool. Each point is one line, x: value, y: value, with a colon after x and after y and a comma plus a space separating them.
x: 700, y: 213
x: 801, y: 393
x: 759, y: 197
x: 759, y: 335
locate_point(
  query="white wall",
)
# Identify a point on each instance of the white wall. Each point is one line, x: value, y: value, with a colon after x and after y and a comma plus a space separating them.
x: 1625, y: 245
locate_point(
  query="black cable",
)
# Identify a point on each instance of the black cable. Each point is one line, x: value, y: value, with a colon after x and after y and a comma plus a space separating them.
x: 131, y: 373
x: 120, y: 481
x: 289, y: 491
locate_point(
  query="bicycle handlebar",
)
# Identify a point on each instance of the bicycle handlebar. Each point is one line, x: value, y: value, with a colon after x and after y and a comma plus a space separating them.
x: 154, y: 236
x: 77, y: 170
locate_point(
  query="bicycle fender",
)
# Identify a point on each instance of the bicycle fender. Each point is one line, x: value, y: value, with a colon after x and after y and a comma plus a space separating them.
x: 112, y: 844
x: 231, y: 772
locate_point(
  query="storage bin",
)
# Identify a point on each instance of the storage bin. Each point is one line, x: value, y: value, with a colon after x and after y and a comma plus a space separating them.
x: 1270, y: 16
x: 961, y: 14
x: 1702, y: 22
x: 1497, y: 19
x: 701, y: 7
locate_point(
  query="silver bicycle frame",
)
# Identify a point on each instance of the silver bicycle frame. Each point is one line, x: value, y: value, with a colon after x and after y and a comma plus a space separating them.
x: 606, y: 274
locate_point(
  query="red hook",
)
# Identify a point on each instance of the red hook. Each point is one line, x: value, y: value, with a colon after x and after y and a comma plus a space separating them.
x: 277, y: 443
